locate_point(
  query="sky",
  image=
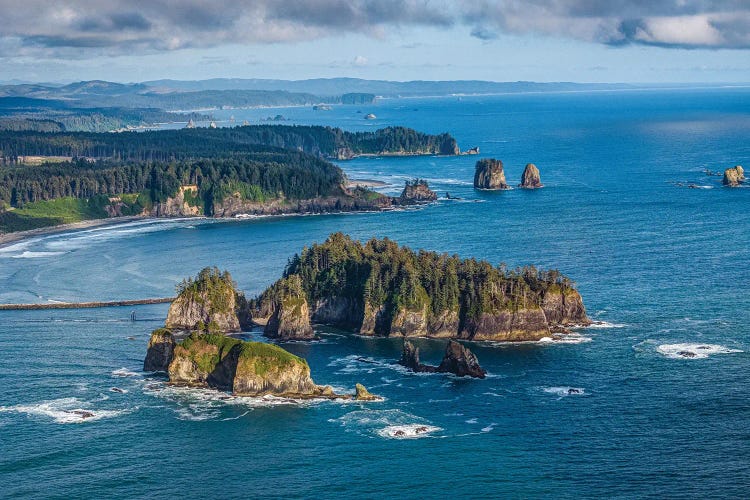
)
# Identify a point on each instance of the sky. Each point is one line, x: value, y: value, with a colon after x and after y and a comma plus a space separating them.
x: 639, y: 41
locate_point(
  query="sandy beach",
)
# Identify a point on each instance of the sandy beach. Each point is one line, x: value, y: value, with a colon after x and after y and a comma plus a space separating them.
x: 8, y: 238
x: 369, y: 183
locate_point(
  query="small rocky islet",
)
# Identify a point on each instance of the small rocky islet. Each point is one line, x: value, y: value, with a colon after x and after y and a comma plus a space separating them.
x: 387, y: 291
x: 489, y: 174
x: 734, y: 177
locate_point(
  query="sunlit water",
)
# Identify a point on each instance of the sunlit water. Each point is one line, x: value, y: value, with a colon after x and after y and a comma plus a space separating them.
x: 664, y: 266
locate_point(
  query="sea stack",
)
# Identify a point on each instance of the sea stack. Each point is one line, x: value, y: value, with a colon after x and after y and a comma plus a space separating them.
x: 290, y: 319
x: 530, y: 178
x: 489, y: 174
x: 734, y: 176
x: 417, y: 191
x: 457, y: 360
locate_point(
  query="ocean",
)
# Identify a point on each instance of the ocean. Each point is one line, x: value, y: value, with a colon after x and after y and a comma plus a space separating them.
x: 658, y: 248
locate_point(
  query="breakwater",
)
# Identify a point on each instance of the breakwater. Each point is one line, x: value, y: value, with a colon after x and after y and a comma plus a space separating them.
x: 83, y: 305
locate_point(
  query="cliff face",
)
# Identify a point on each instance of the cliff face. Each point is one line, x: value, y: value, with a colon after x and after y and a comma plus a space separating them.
x: 530, y: 178
x: 211, y: 301
x: 489, y: 174
x: 290, y: 319
x: 177, y: 206
x: 160, y: 350
x: 417, y: 192
x: 564, y: 308
x: 517, y: 325
x: 734, y: 176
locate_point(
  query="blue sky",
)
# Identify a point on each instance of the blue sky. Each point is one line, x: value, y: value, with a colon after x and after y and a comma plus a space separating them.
x: 502, y: 40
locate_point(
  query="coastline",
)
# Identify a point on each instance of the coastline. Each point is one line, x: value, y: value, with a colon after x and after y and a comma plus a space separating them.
x: 8, y: 238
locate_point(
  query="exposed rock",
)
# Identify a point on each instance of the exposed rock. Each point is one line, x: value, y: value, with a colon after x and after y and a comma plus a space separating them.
x: 247, y: 369
x: 363, y: 394
x: 417, y: 192
x: 410, y: 359
x: 530, y: 178
x: 489, y: 174
x: 472, y: 151
x: 734, y: 176
x: 508, y: 325
x: 178, y: 206
x: 460, y: 361
x: 290, y: 319
x: 457, y: 360
x: 564, y: 308
x: 160, y: 350
x: 211, y: 301
x: 370, y: 116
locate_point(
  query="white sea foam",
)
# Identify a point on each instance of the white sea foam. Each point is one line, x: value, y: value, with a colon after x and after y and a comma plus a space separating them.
x: 489, y: 427
x: 65, y: 411
x: 124, y: 372
x: 389, y: 424
x: 693, y: 351
x: 605, y: 324
x: 565, y: 391
x: 27, y: 254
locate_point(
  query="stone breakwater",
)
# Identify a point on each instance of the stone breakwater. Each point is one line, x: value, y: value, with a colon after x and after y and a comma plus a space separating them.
x: 83, y: 305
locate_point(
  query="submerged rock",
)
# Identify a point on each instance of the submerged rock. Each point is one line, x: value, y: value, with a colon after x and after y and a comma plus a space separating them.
x: 734, y: 176
x: 530, y: 178
x: 457, y: 360
x: 489, y: 174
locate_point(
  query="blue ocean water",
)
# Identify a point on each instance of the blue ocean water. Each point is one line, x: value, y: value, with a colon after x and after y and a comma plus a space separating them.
x: 664, y: 266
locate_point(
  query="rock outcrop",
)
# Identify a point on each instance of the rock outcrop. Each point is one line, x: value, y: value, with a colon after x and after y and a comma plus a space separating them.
x: 530, y: 178
x: 457, y: 360
x: 160, y: 351
x: 247, y: 369
x: 211, y: 301
x: 290, y: 319
x: 734, y: 176
x: 417, y: 191
x: 362, y: 394
x: 489, y: 174
x: 382, y: 289
x: 184, y: 204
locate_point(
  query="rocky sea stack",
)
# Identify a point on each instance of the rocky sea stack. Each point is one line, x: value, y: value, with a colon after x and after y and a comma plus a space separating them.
x: 489, y: 174
x: 417, y: 191
x: 381, y: 289
x: 457, y: 360
x: 194, y: 350
x: 211, y: 301
x: 734, y: 176
x: 530, y: 178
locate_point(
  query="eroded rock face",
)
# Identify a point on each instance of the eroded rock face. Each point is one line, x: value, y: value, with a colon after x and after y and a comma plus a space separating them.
x: 410, y: 359
x: 531, y: 178
x: 519, y: 325
x: 417, y: 192
x: 290, y: 319
x: 460, y: 361
x: 564, y: 309
x: 160, y: 350
x: 209, y: 301
x: 362, y: 394
x: 489, y: 174
x: 734, y: 176
x: 177, y: 206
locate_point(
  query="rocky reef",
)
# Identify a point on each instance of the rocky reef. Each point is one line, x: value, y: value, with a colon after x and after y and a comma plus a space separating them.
x: 210, y: 301
x: 457, y: 360
x: 734, y: 176
x: 381, y: 289
x: 530, y: 179
x: 489, y: 174
x: 194, y: 351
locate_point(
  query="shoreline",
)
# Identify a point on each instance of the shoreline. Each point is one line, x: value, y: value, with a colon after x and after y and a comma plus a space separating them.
x: 8, y: 238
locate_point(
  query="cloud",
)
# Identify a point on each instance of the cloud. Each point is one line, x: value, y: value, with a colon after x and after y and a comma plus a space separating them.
x: 77, y: 28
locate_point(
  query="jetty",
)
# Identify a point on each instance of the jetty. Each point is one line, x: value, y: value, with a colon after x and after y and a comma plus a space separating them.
x: 83, y: 305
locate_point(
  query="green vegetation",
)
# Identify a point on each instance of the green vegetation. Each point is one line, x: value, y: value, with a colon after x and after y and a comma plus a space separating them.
x: 208, y: 349
x: 379, y: 274
x: 211, y: 285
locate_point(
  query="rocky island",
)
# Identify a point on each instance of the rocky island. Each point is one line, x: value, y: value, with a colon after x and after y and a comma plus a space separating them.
x: 734, y: 177
x: 530, y: 179
x: 381, y: 289
x: 457, y: 360
x: 195, y: 351
x: 489, y: 174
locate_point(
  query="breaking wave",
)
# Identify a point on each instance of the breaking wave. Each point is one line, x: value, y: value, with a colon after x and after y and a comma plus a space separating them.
x: 65, y: 411
x: 693, y: 351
